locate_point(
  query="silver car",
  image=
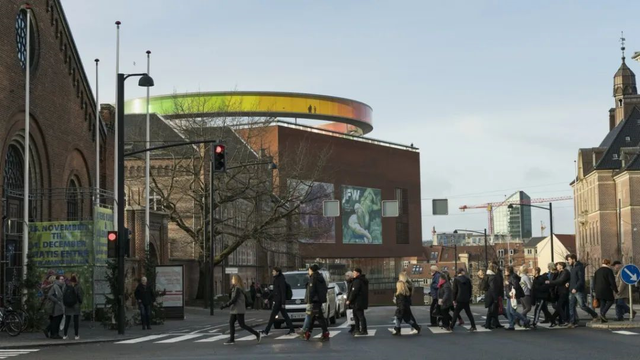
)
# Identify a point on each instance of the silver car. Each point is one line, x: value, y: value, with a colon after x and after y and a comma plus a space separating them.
x: 296, y: 307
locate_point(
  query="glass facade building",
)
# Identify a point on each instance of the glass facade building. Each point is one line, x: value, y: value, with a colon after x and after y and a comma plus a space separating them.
x: 514, y: 222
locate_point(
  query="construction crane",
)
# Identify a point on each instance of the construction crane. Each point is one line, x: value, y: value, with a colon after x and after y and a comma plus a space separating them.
x: 491, y: 206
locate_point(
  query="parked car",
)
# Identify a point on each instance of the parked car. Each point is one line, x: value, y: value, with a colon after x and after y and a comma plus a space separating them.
x: 341, y: 297
x: 296, y: 307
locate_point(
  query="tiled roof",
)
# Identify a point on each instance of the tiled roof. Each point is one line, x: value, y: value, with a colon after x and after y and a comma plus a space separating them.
x: 534, y: 241
x: 627, y: 136
x: 568, y: 240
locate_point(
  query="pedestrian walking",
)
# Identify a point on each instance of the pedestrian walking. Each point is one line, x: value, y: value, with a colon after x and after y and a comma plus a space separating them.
x: 541, y: 294
x: 316, y: 295
x: 403, y: 309
x: 238, y: 307
x: 490, y: 287
x: 501, y: 294
x: 604, y: 284
x: 359, y: 300
x: 145, y: 296
x: 252, y: 292
x: 515, y: 293
x: 433, y: 292
x: 561, y: 284
x: 462, y: 291
x: 55, y: 296
x: 622, y: 296
x: 405, y: 278
x: 445, y: 300
x: 72, y: 299
x: 526, y: 284
x: 348, y: 277
x: 578, y: 296
x: 279, y: 298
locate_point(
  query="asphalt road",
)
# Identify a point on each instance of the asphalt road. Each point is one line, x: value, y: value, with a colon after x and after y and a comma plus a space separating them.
x: 207, y: 343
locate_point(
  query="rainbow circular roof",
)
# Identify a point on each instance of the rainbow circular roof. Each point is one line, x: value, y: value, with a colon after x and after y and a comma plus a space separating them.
x: 342, y: 115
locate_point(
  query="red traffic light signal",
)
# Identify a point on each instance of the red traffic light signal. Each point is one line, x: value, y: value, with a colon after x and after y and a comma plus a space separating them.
x: 219, y: 164
x: 219, y: 149
x: 112, y: 235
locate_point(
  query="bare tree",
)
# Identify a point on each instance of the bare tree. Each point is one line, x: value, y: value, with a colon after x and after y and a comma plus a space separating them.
x: 254, y: 203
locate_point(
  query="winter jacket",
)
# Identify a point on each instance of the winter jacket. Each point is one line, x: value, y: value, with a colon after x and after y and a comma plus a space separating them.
x: 349, y: 284
x: 577, y: 282
x: 144, y: 294
x: 237, y: 303
x: 433, y: 289
x: 604, y: 284
x: 623, y: 288
x: 525, y: 282
x: 317, y: 289
x: 540, y: 290
x: 55, y: 295
x: 514, y: 287
x: 75, y: 309
x: 462, y: 289
x: 500, y: 289
x: 279, y: 294
x: 490, y: 286
x: 446, y: 295
x: 359, y: 297
x: 403, y: 307
x: 410, y: 287
x: 563, y: 278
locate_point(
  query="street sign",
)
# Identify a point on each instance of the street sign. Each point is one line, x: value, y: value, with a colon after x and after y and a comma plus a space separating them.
x: 231, y: 270
x: 331, y: 208
x: 440, y: 206
x: 630, y: 274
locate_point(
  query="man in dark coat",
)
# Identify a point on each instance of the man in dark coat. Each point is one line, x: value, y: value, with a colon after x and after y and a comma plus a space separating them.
x: 604, y: 284
x: 145, y: 296
x: 359, y: 300
x: 279, y: 296
x: 561, y: 285
x: 316, y: 296
x: 490, y: 287
x: 462, y: 290
x: 578, y: 294
x: 349, y: 279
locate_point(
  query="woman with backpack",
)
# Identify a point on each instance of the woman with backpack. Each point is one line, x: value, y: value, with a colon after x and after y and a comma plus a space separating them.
x: 403, y: 309
x: 72, y: 299
x: 238, y: 304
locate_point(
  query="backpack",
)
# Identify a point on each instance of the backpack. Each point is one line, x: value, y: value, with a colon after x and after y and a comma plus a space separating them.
x: 70, y: 297
x: 48, y: 307
x: 289, y: 291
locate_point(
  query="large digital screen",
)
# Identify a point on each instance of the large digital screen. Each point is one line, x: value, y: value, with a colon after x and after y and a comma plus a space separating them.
x: 315, y: 228
x: 361, y: 215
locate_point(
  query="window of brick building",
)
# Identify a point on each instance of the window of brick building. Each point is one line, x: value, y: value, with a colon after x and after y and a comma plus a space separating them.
x: 402, y: 221
x: 73, y: 201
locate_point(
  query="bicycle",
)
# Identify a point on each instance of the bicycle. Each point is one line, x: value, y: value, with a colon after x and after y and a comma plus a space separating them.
x: 10, y: 320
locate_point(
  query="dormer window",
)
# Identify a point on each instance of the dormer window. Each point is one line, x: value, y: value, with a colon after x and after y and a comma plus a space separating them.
x: 627, y: 139
x: 615, y: 156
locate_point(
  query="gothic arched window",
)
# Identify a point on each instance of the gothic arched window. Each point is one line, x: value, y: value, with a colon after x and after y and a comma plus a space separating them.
x: 73, y: 201
x: 14, y: 169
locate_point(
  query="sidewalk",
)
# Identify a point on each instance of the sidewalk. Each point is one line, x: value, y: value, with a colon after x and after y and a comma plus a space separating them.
x: 195, y: 319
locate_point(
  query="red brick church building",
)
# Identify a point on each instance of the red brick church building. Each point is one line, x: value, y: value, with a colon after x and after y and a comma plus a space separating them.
x: 62, y: 113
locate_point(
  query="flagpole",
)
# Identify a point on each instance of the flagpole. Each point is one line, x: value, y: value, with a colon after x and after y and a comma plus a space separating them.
x: 147, y: 164
x: 115, y: 146
x: 25, y: 222
x: 97, y: 182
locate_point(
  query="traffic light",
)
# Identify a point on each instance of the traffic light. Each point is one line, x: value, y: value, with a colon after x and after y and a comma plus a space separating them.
x: 126, y: 239
x: 219, y: 162
x: 112, y: 244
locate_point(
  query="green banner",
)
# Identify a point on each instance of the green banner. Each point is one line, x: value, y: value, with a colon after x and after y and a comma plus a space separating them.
x: 104, y: 223
x: 62, y: 243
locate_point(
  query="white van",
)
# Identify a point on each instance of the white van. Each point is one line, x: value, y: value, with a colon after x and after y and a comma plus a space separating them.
x: 296, y: 307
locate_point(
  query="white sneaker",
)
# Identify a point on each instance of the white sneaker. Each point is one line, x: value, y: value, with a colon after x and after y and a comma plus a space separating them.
x: 64, y: 337
x: 264, y: 334
x: 77, y: 337
x: 414, y: 332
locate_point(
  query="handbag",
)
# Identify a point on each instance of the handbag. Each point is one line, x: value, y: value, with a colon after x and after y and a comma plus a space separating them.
x: 500, y: 306
x: 350, y: 320
x: 595, y: 303
x: 437, y: 312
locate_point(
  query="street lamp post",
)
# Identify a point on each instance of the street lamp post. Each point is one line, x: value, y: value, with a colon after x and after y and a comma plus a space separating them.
x: 486, y: 246
x: 550, y: 210
x: 145, y: 81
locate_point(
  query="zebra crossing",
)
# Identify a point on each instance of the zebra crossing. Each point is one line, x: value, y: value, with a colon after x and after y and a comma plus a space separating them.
x: 11, y: 353
x: 216, y: 336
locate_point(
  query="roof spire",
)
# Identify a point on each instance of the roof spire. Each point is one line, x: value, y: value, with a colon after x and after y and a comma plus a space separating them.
x: 622, y: 39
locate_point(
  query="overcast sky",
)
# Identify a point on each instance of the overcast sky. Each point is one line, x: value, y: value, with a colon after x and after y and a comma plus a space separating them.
x: 498, y: 95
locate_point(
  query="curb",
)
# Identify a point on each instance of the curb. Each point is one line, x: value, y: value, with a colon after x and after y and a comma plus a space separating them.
x: 65, y: 343
x: 615, y: 326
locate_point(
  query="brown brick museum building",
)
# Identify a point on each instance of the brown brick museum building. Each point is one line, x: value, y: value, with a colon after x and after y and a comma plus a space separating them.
x: 62, y: 126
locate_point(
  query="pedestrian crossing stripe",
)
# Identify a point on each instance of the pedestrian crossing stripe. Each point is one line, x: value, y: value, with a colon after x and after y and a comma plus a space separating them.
x: 480, y: 329
x: 288, y: 337
x: 143, y: 339
x: 369, y: 333
x: 179, y: 338
x: 403, y: 331
x: 213, y: 339
x: 622, y: 332
x: 9, y: 353
x: 332, y: 333
x: 247, y: 338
